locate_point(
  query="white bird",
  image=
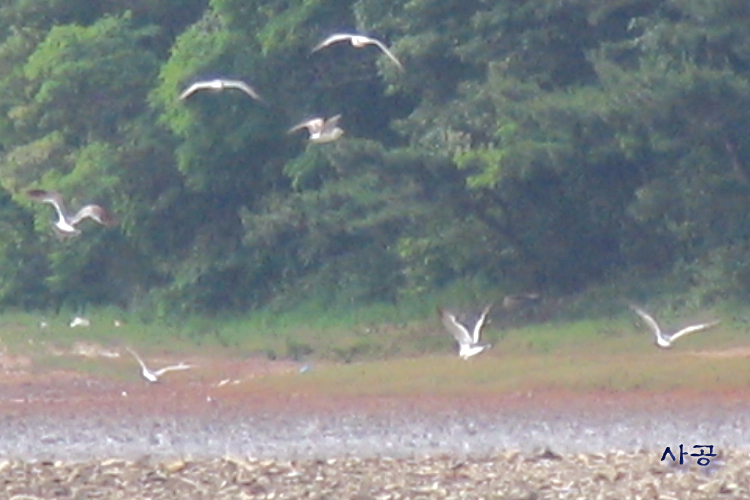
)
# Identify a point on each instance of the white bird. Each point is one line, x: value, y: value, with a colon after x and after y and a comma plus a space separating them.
x: 80, y: 321
x: 468, y: 343
x: 66, y: 224
x: 153, y: 376
x: 358, y: 41
x: 664, y: 339
x: 218, y: 85
x: 321, y: 130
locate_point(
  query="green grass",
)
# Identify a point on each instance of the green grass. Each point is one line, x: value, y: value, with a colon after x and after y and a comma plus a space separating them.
x: 444, y: 375
x: 411, y: 353
x: 579, y: 356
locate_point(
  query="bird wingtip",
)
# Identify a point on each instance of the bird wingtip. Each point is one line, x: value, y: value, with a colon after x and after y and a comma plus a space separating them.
x: 36, y: 193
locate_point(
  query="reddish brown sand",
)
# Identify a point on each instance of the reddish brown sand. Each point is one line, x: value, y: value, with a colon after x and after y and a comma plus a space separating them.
x: 199, y: 436
x: 63, y: 395
x: 27, y: 390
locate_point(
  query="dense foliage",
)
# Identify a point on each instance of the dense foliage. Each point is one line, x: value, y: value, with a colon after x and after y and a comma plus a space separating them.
x: 528, y: 145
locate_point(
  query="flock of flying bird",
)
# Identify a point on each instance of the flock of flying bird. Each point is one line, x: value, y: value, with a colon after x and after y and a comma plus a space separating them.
x: 469, y: 340
x: 322, y: 130
x: 470, y: 343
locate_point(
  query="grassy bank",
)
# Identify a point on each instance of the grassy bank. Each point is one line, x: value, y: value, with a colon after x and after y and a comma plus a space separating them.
x: 612, y: 354
x: 389, y: 350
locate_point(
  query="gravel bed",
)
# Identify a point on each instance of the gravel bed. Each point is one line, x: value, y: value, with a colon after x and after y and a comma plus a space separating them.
x: 511, y: 475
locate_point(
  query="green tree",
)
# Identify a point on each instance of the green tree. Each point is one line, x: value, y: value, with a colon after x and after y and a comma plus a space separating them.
x: 335, y: 237
x: 72, y: 132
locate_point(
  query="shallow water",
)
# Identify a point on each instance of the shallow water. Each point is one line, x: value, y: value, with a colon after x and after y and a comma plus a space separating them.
x: 399, y: 433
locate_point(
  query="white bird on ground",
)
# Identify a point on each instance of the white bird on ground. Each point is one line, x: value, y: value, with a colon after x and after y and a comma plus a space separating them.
x: 218, y: 85
x: 664, y: 339
x: 153, y: 376
x: 358, y: 41
x: 80, y: 321
x: 66, y: 224
x: 321, y: 130
x: 468, y: 343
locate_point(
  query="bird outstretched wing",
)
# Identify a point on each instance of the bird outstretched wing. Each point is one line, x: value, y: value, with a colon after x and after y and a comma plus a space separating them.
x: 336, y: 37
x: 240, y: 85
x: 388, y: 53
x: 181, y: 366
x: 314, y: 125
x: 192, y: 89
x: 95, y: 213
x: 694, y: 328
x: 459, y: 331
x: 480, y: 324
x: 647, y: 318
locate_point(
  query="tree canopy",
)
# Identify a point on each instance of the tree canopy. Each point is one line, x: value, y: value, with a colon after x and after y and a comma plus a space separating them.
x: 530, y: 145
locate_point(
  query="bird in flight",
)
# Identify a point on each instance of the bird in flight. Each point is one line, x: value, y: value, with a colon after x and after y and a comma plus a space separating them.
x: 153, y: 376
x: 217, y: 85
x: 66, y: 224
x: 468, y: 343
x: 665, y: 339
x: 358, y: 41
x: 321, y: 130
